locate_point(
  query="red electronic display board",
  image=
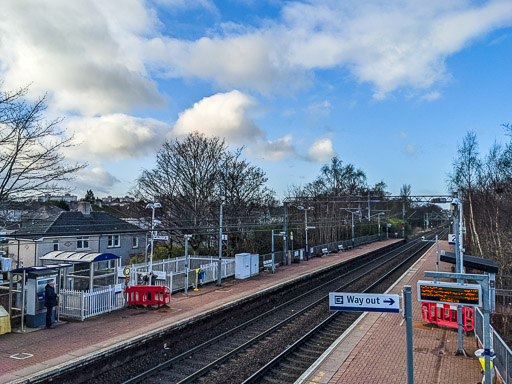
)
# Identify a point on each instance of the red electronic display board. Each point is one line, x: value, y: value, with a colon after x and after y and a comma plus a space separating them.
x: 450, y: 293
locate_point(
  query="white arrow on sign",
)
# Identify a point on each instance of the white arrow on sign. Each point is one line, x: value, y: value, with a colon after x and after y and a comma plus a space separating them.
x: 161, y: 238
x: 364, y: 302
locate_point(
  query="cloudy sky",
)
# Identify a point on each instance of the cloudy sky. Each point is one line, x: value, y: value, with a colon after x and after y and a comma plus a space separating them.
x: 390, y: 86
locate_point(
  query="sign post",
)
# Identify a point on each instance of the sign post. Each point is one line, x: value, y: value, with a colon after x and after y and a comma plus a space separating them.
x: 372, y: 302
x: 364, y: 302
x: 408, y: 328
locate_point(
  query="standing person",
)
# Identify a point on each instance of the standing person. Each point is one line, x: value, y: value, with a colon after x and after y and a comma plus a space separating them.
x: 50, y: 301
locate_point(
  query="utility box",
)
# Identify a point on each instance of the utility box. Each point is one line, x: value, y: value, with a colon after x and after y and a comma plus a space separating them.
x: 36, y: 284
x: 255, y: 264
x: 242, y: 265
x: 6, y: 264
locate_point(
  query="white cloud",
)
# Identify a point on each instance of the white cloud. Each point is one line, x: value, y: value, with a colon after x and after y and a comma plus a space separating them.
x: 431, y: 96
x: 410, y: 149
x: 81, y: 52
x: 322, y: 108
x: 223, y: 115
x: 96, y: 57
x: 97, y: 179
x: 321, y: 150
x: 115, y: 136
x: 280, y: 149
x: 404, y: 135
x: 388, y: 44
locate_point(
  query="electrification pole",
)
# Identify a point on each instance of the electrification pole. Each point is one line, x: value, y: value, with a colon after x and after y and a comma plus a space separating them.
x: 219, y: 266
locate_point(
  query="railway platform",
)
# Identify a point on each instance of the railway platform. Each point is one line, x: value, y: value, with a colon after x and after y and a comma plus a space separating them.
x: 374, y: 349
x: 37, y: 354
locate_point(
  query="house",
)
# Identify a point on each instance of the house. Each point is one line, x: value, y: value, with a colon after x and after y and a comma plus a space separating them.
x: 84, y: 230
x: 67, y: 198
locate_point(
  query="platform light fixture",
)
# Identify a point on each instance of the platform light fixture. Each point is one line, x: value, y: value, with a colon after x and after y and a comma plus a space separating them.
x: 152, y: 206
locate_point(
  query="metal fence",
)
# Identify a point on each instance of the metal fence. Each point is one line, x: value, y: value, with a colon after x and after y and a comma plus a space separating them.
x: 84, y: 304
x: 279, y: 256
x: 503, y: 361
x: 171, y: 272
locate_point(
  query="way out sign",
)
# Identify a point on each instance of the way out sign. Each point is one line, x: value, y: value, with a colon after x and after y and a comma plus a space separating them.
x: 364, y: 302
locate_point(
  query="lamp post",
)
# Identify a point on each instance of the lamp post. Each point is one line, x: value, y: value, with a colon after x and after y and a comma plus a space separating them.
x: 353, y: 213
x: 187, y: 237
x: 153, y: 206
x: 219, y: 267
x: 378, y: 220
x: 306, y: 221
x: 291, y: 238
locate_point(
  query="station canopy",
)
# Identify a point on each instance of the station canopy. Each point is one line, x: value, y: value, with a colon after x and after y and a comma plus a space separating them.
x: 43, y: 268
x: 78, y: 257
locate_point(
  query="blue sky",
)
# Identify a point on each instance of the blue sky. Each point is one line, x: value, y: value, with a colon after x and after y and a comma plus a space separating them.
x: 391, y: 87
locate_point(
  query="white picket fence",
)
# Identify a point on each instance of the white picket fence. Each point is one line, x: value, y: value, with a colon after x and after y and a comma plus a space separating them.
x: 84, y: 304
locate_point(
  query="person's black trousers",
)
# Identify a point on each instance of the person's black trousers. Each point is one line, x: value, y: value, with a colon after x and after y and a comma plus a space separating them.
x: 49, y: 316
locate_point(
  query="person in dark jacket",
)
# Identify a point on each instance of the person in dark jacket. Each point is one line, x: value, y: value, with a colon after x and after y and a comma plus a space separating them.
x: 50, y: 301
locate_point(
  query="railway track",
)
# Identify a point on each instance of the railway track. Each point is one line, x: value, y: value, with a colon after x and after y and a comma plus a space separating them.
x: 278, y: 345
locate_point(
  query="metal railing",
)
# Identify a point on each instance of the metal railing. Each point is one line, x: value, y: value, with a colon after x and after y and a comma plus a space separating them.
x: 171, y: 272
x: 266, y: 259
x: 84, y: 304
x: 503, y: 361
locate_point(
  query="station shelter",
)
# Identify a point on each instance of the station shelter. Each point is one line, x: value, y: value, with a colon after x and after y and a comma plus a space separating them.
x: 89, y: 270
x: 89, y: 287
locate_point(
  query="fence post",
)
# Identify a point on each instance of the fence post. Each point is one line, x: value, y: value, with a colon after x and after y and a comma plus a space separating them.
x: 82, y: 306
x: 111, y: 297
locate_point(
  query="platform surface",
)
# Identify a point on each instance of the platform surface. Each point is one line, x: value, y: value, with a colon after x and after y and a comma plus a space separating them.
x: 374, y: 351
x: 72, y: 342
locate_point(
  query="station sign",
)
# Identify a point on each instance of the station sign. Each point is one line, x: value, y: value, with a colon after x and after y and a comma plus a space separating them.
x: 451, y: 238
x: 450, y: 293
x: 161, y: 238
x: 364, y: 302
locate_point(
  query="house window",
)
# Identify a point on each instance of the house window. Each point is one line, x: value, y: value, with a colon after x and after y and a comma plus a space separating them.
x: 82, y: 242
x: 114, y: 241
x: 56, y: 245
x: 135, y: 242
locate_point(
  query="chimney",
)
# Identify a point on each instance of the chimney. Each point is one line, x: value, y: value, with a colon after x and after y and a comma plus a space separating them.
x: 84, y: 207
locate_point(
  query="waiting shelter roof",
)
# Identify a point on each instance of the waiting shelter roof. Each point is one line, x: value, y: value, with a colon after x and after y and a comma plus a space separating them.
x: 474, y: 262
x: 43, y: 268
x: 79, y: 257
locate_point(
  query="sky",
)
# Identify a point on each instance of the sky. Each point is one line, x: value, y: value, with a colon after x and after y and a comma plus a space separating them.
x: 389, y: 86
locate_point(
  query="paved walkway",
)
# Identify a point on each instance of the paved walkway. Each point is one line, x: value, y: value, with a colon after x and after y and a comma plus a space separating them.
x: 374, y: 351
x: 70, y: 343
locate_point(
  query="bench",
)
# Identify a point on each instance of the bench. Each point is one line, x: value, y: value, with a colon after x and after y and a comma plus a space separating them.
x: 325, y: 251
x: 340, y: 248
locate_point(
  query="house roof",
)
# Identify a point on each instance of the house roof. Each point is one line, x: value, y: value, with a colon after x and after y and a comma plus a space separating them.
x: 73, y: 224
x: 80, y: 257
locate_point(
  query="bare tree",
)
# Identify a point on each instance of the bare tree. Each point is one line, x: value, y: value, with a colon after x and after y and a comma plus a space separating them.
x: 467, y: 170
x: 187, y: 179
x: 30, y: 149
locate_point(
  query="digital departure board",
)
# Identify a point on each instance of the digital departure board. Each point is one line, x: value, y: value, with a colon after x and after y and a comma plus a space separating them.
x: 450, y: 293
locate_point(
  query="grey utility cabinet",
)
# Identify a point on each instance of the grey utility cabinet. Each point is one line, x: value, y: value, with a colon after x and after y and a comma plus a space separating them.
x: 242, y: 265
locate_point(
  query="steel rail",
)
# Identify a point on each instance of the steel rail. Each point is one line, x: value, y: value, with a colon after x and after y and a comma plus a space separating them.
x: 225, y: 357
x: 255, y: 377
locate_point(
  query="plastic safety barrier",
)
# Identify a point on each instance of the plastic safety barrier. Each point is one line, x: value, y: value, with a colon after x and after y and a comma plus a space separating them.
x: 148, y: 295
x: 447, y: 315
